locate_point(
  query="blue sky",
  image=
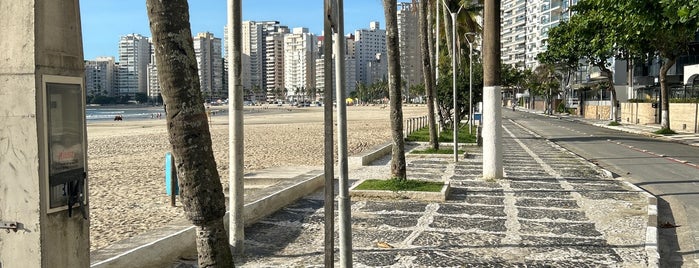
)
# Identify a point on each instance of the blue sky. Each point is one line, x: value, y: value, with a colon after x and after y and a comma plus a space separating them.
x: 104, y: 21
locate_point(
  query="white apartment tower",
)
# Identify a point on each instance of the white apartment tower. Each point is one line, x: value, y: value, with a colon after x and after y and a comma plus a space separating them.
x: 299, y: 60
x: 350, y: 65
x: 254, y: 59
x: 368, y: 43
x: 153, y: 82
x: 409, y: 42
x: 525, y: 26
x: 134, y: 56
x: 100, y: 76
x: 207, y: 49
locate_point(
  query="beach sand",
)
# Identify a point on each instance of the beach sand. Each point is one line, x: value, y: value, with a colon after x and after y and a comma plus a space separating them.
x: 126, y: 159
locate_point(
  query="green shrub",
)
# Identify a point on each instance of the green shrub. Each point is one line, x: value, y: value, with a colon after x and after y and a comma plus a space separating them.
x: 401, y: 185
x: 665, y: 131
x: 614, y: 123
x: 438, y: 151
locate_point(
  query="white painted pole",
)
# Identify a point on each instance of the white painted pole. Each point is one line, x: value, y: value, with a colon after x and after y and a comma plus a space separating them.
x: 235, y: 128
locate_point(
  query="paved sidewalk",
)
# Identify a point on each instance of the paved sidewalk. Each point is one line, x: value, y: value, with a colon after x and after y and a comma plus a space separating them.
x: 553, y: 210
x: 685, y: 137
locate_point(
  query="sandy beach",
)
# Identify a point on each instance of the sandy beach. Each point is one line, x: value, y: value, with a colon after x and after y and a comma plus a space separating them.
x: 126, y: 159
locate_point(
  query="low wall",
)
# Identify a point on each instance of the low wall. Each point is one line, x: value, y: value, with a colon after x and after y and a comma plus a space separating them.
x: 596, y: 110
x: 683, y: 116
x: 637, y: 113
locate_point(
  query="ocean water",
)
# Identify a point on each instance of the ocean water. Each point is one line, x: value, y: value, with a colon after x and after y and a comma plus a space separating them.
x: 96, y: 114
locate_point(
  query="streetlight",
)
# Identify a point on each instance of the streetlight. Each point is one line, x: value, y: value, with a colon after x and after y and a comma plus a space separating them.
x: 453, y: 79
x: 470, y: 81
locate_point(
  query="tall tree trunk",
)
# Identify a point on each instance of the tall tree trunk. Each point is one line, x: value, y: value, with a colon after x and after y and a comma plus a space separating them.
x: 199, y: 181
x: 398, y: 168
x: 447, y: 27
x: 427, y: 71
x: 665, y: 93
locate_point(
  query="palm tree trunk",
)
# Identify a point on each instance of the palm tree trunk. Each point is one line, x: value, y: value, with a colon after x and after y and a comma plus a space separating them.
x: 398, y: 168
x: 427, y: 71
x: 447, y: 27
x: 202, y: 193
x: 665, y: 94
x: 612, y: 91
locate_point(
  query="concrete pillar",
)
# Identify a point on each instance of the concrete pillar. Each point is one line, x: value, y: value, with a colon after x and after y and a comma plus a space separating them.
x: 41, y: 42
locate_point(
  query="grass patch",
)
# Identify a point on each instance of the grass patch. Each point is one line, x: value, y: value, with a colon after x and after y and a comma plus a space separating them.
x: 447, y: 135
x: 401, y: 185
x: 614, y: 123
x: 438, y: 151
x: 665, y: 131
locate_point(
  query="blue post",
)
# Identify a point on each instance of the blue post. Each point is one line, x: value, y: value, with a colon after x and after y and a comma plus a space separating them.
x: 171, y: 186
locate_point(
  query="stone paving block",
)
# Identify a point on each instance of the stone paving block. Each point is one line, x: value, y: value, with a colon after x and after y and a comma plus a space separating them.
x: 458, y: 240
x: 477, y: 192
x: 546, y: 203
x: 535, y: 185
x: 398, y: 206
x: 487, y: 211
x: 482, y: 200
x: 582, y: 229
x: 555, y: 194
x: 551, y: 214
x: 600, y: 195
x: 367, y: 238
x: 375, y: 258
x: 469, y: 224
x: 530, y: 240
x: 472, y: 184
x: 390, y: 220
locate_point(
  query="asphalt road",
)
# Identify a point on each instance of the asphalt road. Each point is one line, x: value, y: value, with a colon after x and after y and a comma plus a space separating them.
x: 665, y: 169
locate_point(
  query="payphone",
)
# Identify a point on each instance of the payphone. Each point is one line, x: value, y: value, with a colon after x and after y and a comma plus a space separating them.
x: 66, y: 144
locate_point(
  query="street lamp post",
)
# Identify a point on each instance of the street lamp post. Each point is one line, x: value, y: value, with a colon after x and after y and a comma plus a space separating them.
x: 470, y: 81
x: 453, y: 79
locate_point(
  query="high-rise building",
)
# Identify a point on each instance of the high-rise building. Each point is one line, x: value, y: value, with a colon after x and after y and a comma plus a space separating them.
x: 100, y: 77
x: 274, y: 63
x: 299, y: 61
x: 207, y: 50
x: 525, y: 26
x: 153, y: 82
x: 367, y: 44
x: 350, y: 65
x: 409, y: 42
x: 254, y: 58
x: 134, y: 56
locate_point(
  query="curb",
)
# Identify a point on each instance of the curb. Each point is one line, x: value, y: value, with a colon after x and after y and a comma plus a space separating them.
x: 181, y: 242
x: 440, y: 196
x: 366, y: 158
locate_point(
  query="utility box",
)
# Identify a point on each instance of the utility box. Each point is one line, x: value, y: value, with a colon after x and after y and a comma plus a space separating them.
x: 44, y: 213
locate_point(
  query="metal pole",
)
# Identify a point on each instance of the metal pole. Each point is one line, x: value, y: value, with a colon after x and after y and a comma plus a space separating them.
x: 344, y: 202
x: 329, y: 161
x: 235, y: 127
x: 453, y: 75
x: 436, y: 55
x: 470, y: 84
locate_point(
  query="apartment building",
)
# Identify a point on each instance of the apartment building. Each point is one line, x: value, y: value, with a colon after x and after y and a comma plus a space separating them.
x: 154, y: 91
x: 525, y: 26
x: 274, y: 62
x: 409, y: 42
x: 207, y: 49
x: 368, y: 43
x: 134, y: 57
x: 100, y: 77
x: 299, y: 60
x: 350, y: 65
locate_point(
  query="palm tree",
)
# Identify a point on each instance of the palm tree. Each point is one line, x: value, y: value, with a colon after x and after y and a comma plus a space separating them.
x: 202, y: 194
x: 398, y: 166
x: 430, y: 89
